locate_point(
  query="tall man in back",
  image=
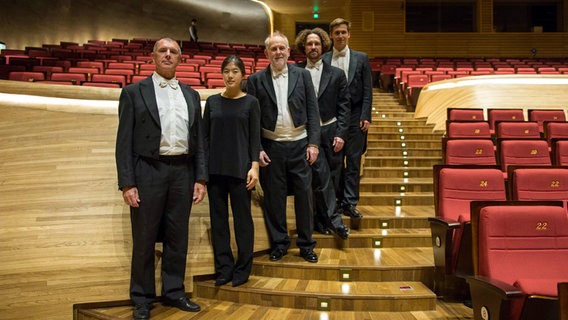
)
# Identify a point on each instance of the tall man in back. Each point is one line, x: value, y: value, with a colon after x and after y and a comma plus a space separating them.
x: 290, y: 137
x: 357, y: 69
x: 330, y: 85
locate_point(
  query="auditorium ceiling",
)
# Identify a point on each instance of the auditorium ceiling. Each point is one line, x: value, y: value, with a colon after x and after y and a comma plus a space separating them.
x: 298, y: 7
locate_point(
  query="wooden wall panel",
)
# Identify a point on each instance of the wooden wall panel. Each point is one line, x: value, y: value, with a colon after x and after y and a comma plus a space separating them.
x: 389, y: 38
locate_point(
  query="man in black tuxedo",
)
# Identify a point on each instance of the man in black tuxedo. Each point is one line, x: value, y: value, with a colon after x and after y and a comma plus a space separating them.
x: 290, y: 132
x: 161, y: 171
x: 332, y: 93
x: 357, y: 68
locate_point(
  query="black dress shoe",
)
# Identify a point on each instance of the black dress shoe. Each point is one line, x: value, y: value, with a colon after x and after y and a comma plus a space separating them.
x: 277, y: 254
x: 141, y: 311
x: 222, y: 280
x: 320, y: 228
x: 342, y: 231
x: 238, y: 282
x: 182, y: 303
x: 352, y: 212
x: 309, y: 255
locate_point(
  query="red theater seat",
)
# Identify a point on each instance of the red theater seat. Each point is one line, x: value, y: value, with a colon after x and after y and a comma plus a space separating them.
x: 494, y: 115
x: 469, y: 151
x: 538, y: 183
x: 521, y: 254
x: 559, y: 152
x: 458, y: 114
x: 555, y: 130
x: 29, y: 76
x: 540, y: 115
x: 517, y: 129
x: 454, y: 188
x: 522, y: 152
x: 467, y: 129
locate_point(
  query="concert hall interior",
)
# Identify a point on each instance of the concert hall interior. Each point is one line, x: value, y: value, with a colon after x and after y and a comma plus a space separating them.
x: 446, y: 76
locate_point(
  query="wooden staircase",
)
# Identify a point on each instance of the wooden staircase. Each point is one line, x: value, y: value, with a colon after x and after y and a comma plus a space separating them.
x: 383, y: 271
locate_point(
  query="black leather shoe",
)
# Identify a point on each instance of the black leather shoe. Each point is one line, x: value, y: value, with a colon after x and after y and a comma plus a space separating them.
x: 342, y: 231
x: 222, y: 280
x: 351, y: 211
x: 320, y: 228
x: 237, y: 283
x: 182, y: 303
x: 141, y: 311
x: 309, y: 255
x: 277, y: 254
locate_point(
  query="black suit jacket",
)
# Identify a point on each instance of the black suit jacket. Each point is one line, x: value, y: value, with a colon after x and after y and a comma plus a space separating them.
x: 360, y: 84
x: 139, y: 130
x: 301, y: 100
x: 333, y: 97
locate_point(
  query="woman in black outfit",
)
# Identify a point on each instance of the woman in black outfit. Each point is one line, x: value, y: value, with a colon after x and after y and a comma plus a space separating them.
x: 232, y: 138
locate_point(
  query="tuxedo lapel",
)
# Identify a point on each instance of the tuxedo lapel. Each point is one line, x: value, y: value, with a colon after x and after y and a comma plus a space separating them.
x: 149, y: 96
x: 190, y: 106
x: 324, y: 80
x: 352, y: 66
x: 292, y: 79
x: 266, y: 80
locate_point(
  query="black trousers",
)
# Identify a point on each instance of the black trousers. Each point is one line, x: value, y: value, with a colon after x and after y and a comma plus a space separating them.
x: 165, y: 191
x: 355, y: 145
x: 326, y: 172
x: 288, y: 169
x: 220, y: 188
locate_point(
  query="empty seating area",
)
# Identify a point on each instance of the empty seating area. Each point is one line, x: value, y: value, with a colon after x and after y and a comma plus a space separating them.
x: 406, y: 76
x: 517, y: 163
x: 119, y: 62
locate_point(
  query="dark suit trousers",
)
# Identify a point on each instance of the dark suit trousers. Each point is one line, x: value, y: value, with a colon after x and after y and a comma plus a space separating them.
x: 165, y: 191
x: 353, y: 150
x: 220, y: 188
x: 288, y: 167
x: 326, y: 172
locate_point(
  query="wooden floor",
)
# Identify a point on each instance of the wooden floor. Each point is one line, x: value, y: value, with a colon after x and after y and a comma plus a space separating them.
x: 65, y: 232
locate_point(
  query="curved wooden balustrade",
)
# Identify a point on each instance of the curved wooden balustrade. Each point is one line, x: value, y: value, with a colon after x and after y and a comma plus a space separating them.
x: 495, y: 91
x: 64, y: 229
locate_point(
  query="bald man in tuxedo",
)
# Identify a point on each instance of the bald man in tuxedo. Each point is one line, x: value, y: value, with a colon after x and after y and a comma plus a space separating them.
x: 161, y: 172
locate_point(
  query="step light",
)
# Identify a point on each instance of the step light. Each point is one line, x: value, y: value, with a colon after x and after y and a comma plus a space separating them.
x: 324, y: 304
x: 377, y: 242
x: 345, y: 275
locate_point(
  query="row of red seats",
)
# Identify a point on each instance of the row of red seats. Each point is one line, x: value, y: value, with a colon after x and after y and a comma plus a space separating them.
x: 495, y: 115
x: 455, y: 189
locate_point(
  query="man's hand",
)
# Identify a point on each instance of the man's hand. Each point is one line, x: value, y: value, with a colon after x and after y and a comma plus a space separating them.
x: 130, y: 196
x: 263, y: 159
x: 312, y: 154
x: 338, y: 144
x: 364, y: 125
x: 199, y: 191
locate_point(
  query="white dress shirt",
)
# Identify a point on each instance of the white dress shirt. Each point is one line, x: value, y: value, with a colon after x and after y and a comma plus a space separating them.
x: 174, y: 117
x: 284, y: 130
x: 340, y: 59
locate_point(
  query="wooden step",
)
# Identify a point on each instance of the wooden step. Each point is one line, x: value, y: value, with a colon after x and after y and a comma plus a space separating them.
x: 377, y: 238
x: 323, y: 295
x: 403, y: 136
x: 374, y: 160
x: 404, y: 144
x: 397, y: 172
x: 390, y: 128
x: 399, y: 185
x: 388, y: 198
x: 362, y: 264
x: 220, y: 310
x: 419, y: 152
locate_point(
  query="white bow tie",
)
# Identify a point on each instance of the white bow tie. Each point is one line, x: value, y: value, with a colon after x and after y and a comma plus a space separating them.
x: 337, y: 54
x: 311, y: 65
x: 173, y: 83
x: 278, y: 73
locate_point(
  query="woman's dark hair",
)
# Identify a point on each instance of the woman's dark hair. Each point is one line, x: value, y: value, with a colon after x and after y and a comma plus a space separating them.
x: 236, y: 60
